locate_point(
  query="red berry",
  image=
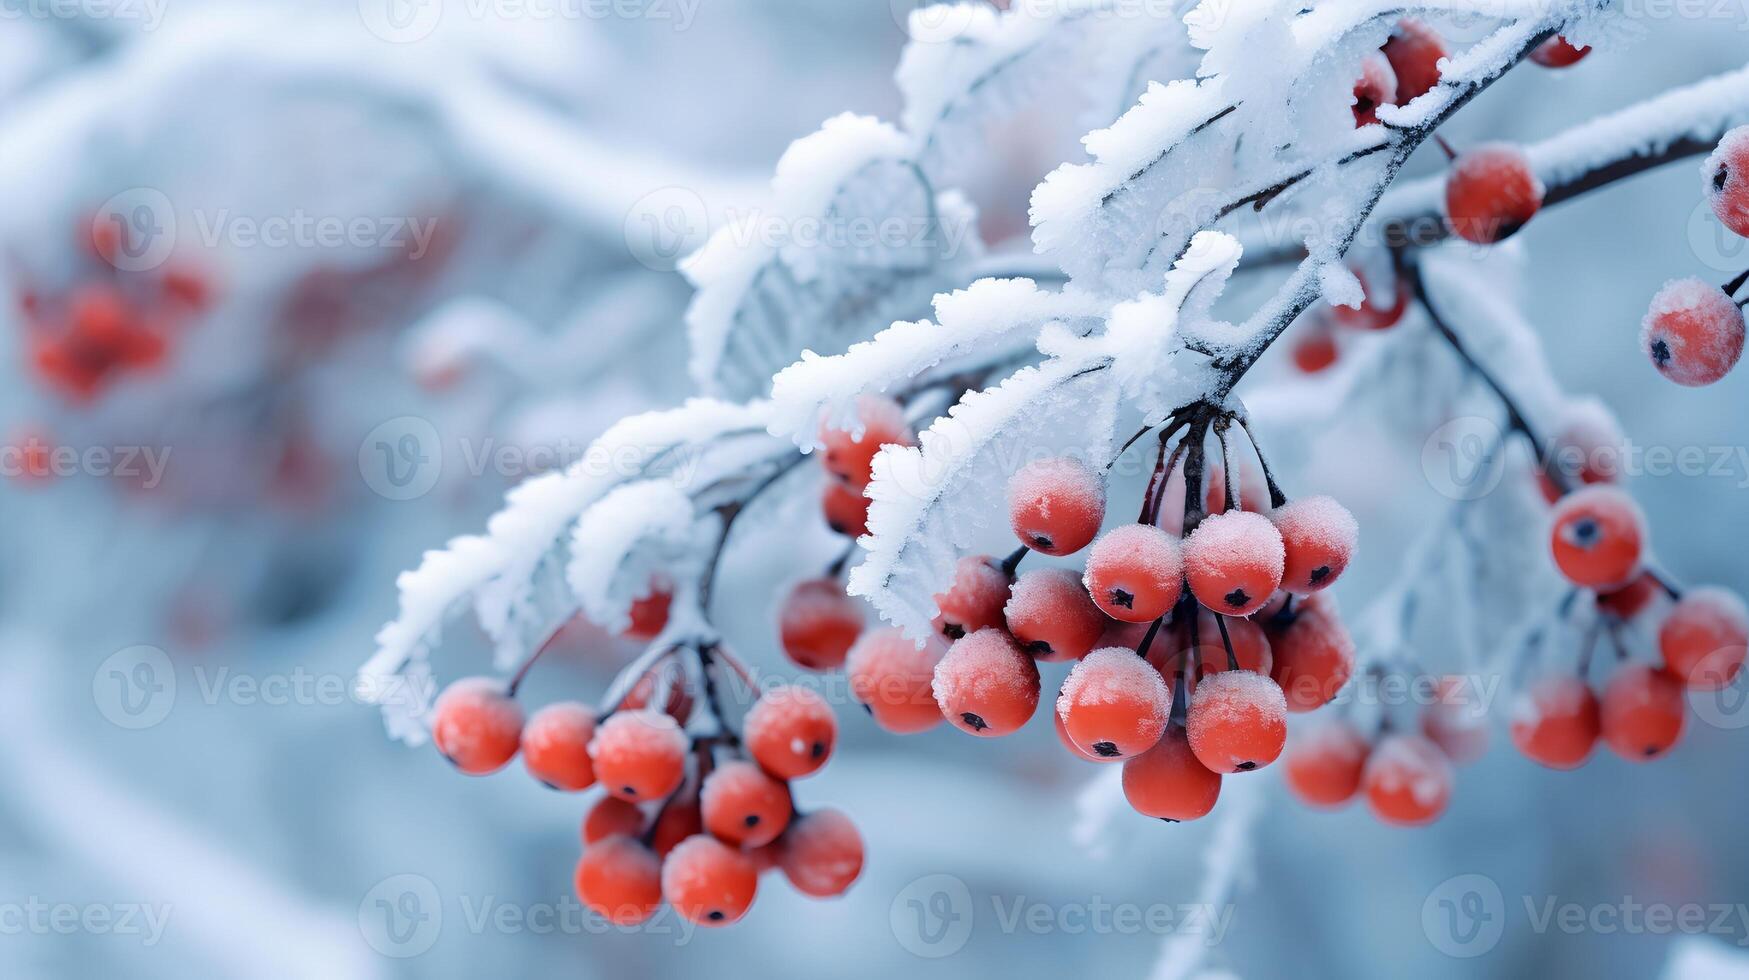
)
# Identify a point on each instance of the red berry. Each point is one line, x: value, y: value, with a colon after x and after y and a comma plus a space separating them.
x: 1557, y: 52
x: 1370, y: 315
x: 1056, y: 505
x: 1237, y: 721
x: 1114, y: 704
x: 649, y: 615
x: 1167, y: 782
x: 850, y: 455
x: 1414, y: 51
x: 678, y: 819
x: 846, y: 509
x: 1051, y: 615
x: 1456, y: 719
x: 986, y: 685
x: 1727, y: 177
x: 818, y: 623
x: 1069, y: 743
x: 1598, y: 537
x: 1324, y: 764
x: 555, y: 746
x: 1408, y: 780
x: 1491, y: 193
x: 476, y: 725
x: 1251, y: 647
x: 1376, y: 86
x: 620, y: 880
x: 1693, y: 332
x: 609, y: 816
x: 1641, y: 714
x: 1555, y: 721
x: 1313, y: 653
x: 1588, y: 448
x: 892, y: 679
x: 709, y: 882
x: 1135, y: 573
x: 1315, y: 349
x: 821, y: 854
x: 1234, y: 562
x: 1705, y: 638
x: 101, y: 316
x: 743, y: 806
x: 1318, y: 535
x: 676, y: 702
x: 975, y: 599
x: 790, y: 731
x: 639, y: 755
x: 1631, y: 599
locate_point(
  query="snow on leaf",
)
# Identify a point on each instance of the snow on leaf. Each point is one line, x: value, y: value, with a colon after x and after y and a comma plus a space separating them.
x: 623, y: 542
x: 929, y: 501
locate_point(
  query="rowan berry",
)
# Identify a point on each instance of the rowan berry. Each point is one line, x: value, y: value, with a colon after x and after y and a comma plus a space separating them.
x: 1598, y: 537
x: 1318, y: 536
x: 1631, y: 599
x: 1114, y: 704
x: 1237, y: 721
x: 849, y: 454
x: 818, y: 623
x: 555, y: 745
x: 1558, y: 52
x: 1056, y: 505
x: 986, y: 685
x: 1051, y: 616
x: 1555, y: 721
x: 744, y: 806
x: 790, y: 731
x: 821, y: 853
x: 620, y: 880
x: 1168, y: 783
x: 639, y: 755
x: 846, y: 509
x: 649, y: 614
x: 1456, y: 719
x: 1371, y: 314
x: 477, y: 725
x: 1588, y: 448
x: 609, y: 816
x: 1312, y: 651
x: 1491, y: 193
x: 1408, y: 780
x: 892, y: 678
x: 667, y: 684
x: 1324, y: 764
x: 679, y: 818
x: 975, y: 599
x: 1641, y: 713
x: 1693, y: 332
x: 709, y: 882
x: 1376, y: 86
x: 1414, y: 51
x: 1727, y: 180
x: 1234, y: 562
x: 1315, y: 349
x: 1705, y: 638
x: 1135, y: 573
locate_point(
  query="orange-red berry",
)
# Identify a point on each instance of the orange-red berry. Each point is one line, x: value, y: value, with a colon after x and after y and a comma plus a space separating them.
x: 678, y: 819
x: 846, y: 509
x: 709, y: 882
x: 1376, y: 86
x: 1313, y: 653
x: 1491, y: 193
x: 667, y: 685
x: 1631, y: 599
x: 1114, y: 704
x: 1727, y: 180
x: 649, y: 615
x: 1414, y: 51
x: 1318, y: 537
x: 1056, y: 505
x: 849, y: 454
x: 744, y: 806
x: 1456, y: 719
x: 1642, y: 712
x: 1168, y: 783
x: 790, y: 731
x: 1234, y: 562
x: 1408, y: 780
x: 1598, y: 537
x: 1135, y: 573
x: 476, y: 725
x: 1324, y: 764
x: 818, y: 624
x: 620, y: 880
x: 975, y: 599
x: 1558, y: 52
x: 821, y: 853
x: 609, y: 816
x: 986, y: 685
x: 639, y: 755
x: 1705, y: 638
x: 892, y: 678
x: 1051, y: 616
x: 1237, y: 721
x: 1693, y: 332
x: 1555, y: 721
x: 555, y: 746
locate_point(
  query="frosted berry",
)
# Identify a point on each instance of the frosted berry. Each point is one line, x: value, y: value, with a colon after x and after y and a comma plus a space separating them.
x: 1376, y: 86
x: 1705, y: 638
x: 1056, y: 505
x: 1693, y: 332
x: 709, y: 882
x: 620, y: 880
x: 1414, y: 51
x: 1237, y: 721
x: 1555, y: 721
x: 639, y: 755
x: 1315, y: 349
x: 1135, y: 573
x: 986, y: 685
x: 1631, y: 599
x: 821, y: 853
x: 678, y: 819
x: 1588, y: 448
x: 1491, y: 193
x: 1456, y: 719
x: 818, y: 623
x: 790, y: 731
x: 744, y: 806
x: 609, y: 816
x: 891, y: 678
x: 975, y: 599
x: 1598, y: 537
x: 1372, y: 314
x: 1234, y: 562
x: 1313, y: 653
x: 666, y: 684
x: 850, y: 455
x: 649, y: 615
x: 1051, y: 616
x: 476, y: 725
x: 1069, y: 743
x: 846, y: 509
x: 1642, y: 712
x: 1408, y: 780
x: 1168, y: 783
x: 555, y: 746
x: 1727, y: 180
x: 1318, y: 535
x: 1114, y: 704
x: 1324, y: 764
x: 1558, y: 52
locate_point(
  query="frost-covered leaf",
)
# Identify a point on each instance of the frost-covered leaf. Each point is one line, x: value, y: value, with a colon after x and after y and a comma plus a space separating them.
x: 623, y: 542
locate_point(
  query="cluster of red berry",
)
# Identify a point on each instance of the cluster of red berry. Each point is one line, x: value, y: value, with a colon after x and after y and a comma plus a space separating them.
x: 688, y: 820
x: 112, y: 323
x: 1694, y: 331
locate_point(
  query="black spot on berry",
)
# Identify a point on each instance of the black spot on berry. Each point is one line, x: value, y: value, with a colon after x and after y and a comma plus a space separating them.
x: 1122, y: 599
x: 1041, y: 542
x: 1237, y: 598
x: 751, y: 820
x: 1167, y: 820
x: 1586, y: 532
x: 1660, y: 353
x: 1039, y: 648
x: 1721, y: 177
x: 1246, y: 766
x: 1319, y: 574
x: 953, y: 631
x: 974, y: 722
x: 1651, y: 750
x: 818, y: 750
x: 631, y: 791
x: 715, y: 916
x: 836, y: 527
x: 1105, y: 750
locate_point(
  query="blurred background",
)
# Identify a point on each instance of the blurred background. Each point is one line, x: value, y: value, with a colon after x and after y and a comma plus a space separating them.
x: 248, y: 250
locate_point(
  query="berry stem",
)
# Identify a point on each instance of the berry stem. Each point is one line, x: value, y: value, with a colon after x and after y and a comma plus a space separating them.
x: 522, y: 671
x: 1276, y: 497
x: 1231, y: 482
x: 1736, y: 285
x: 1012, y: 563
x: 1193, y: 464
x: 1450, y: 154
x: 1227, y: 641
x: 1148, y: 637
x: 707, y: 656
